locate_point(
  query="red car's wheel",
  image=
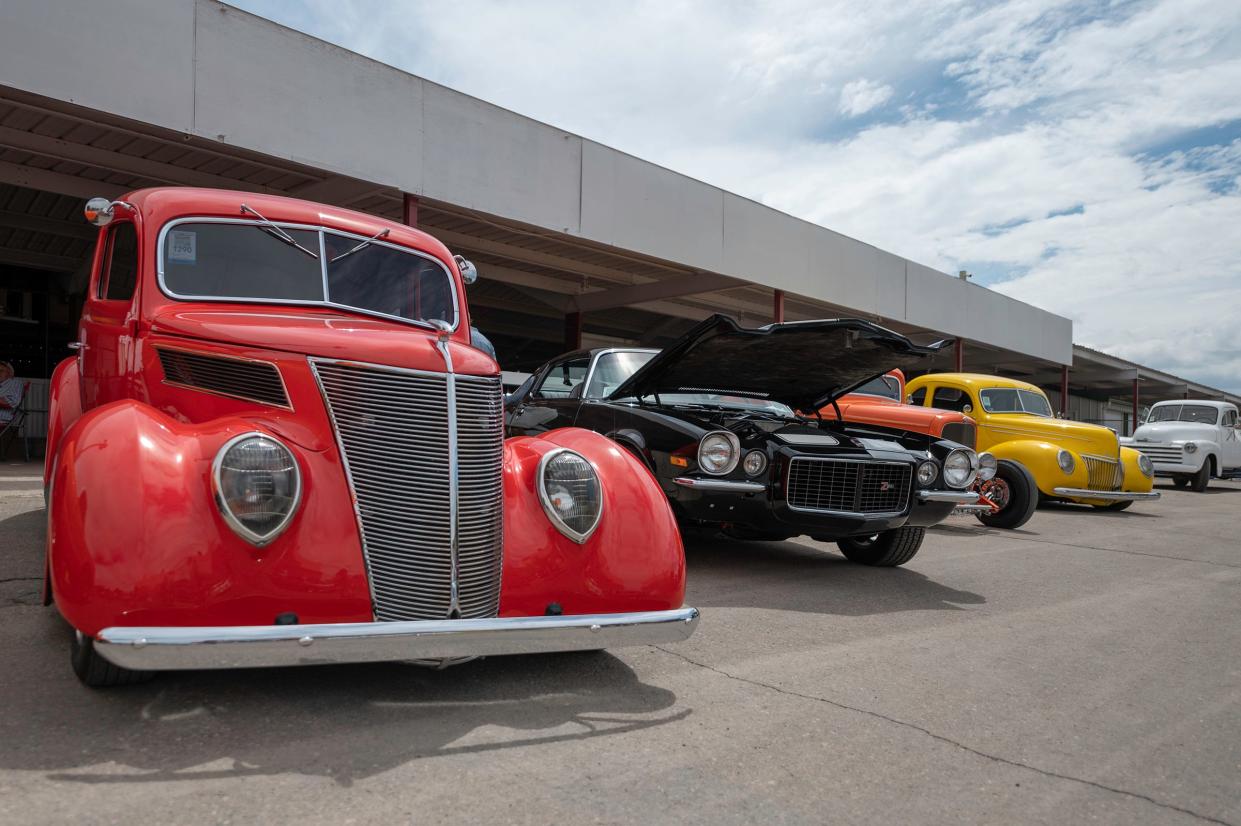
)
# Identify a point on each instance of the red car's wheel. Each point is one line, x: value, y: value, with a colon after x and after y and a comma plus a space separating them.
x: 96, y: 672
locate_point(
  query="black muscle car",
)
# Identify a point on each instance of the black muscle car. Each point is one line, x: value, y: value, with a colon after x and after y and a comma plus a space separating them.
x: 717, y: 417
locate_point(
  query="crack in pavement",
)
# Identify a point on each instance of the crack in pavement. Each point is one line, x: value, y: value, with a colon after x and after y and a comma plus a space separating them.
x: 1122, y: 551
x: 20, y: 579
x: 948, y: 740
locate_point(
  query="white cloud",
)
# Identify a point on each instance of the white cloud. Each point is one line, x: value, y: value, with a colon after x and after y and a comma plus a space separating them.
x: 860, y: 96
x: 984, y: 120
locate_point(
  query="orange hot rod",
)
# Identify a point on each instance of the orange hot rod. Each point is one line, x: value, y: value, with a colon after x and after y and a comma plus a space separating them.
x: 276, y: 445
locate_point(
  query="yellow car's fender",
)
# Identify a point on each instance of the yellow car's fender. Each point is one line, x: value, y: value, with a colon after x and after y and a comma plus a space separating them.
x: 1135, y: 480
x: 1040, y: 458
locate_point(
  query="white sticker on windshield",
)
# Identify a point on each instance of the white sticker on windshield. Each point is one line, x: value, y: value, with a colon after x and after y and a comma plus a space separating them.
x: 183, y: 246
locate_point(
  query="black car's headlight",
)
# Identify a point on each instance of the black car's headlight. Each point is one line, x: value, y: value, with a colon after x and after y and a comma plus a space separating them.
x: 258, y: 486
x: 718, y: 452
x: 570, y: 492
x: 928, y: 472
x: 960, y: 468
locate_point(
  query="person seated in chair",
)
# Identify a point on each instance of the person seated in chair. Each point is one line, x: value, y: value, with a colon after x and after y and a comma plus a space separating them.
x: 10, y: 392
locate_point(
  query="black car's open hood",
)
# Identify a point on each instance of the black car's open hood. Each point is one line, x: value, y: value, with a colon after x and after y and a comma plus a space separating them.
x: 804, y: 364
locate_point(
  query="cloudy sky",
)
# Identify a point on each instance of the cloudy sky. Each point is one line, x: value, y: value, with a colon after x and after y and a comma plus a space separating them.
x: 1082, y: 156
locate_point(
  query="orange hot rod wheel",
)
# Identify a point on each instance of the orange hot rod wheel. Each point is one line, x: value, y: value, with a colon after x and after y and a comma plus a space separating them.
x: 276, y: 445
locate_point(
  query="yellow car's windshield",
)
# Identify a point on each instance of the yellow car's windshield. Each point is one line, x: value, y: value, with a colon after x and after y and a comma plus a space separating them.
x: 1015, y: 400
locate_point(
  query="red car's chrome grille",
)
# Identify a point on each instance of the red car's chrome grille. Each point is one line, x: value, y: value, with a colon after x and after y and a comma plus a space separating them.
x: 848, y: 486
x: 1103, y: 474
x: 257, y: 381
x: 393, y: 430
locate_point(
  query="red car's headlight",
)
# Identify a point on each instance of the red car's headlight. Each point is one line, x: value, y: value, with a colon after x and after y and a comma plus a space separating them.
x: 258, y: 486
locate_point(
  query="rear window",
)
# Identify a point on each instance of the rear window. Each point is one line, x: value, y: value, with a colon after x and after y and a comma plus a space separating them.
x: 251, y: 261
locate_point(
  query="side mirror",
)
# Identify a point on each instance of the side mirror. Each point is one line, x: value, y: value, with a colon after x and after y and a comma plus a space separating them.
x: 99, y: 211
x: 469, y: 273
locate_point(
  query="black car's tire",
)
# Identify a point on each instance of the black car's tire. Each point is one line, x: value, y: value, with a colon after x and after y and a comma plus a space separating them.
x: 96, y: 672
x: 1180, y: 480
x: 883, y: 550
x: 1023, y: 497
x: 1113, y: 506
x: 1198, y: 482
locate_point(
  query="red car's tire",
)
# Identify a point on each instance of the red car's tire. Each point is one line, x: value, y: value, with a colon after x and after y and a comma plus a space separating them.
x: 1021, y: 497
x: 96, y: 672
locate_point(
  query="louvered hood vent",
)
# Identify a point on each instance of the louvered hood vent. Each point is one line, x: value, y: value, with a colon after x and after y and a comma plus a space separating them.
x: 256, y: 381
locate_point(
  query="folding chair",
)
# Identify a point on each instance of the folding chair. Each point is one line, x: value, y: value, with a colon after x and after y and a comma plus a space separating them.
x: 14, y: 425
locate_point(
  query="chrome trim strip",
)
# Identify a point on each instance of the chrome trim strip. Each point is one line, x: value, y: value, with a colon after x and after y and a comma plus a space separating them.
x: 1107, y: 495
x: 960, y: 497
x: 260, y: 646
x: 320, y: 229
x: 454, y: 476
x: 594, y: 362
x: 714, y: 485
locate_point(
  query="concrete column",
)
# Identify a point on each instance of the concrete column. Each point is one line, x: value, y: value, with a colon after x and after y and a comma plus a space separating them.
x: 409, y: 215
x: 1064, y: 391
x: 573, y: 331
x: 777, y: 306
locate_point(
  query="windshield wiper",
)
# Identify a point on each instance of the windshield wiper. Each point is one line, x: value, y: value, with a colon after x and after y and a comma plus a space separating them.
x: 278, y: 233
x: 362, y: 245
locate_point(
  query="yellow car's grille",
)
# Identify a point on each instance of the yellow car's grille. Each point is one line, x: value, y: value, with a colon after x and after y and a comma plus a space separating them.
x: 1103, y: 474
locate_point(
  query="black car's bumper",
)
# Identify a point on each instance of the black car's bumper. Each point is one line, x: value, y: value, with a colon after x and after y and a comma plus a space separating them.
x: 753, y: 505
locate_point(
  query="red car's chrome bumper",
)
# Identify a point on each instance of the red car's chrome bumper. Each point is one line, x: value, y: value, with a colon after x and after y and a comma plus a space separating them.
x: 250, y: 646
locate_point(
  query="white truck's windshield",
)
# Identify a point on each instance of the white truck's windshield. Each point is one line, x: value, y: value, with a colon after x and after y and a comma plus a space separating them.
x: 248, y: 261
x: 1200, y: 413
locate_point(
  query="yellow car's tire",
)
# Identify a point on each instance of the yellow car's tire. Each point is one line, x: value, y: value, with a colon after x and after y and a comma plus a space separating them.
x: 1020, y: 496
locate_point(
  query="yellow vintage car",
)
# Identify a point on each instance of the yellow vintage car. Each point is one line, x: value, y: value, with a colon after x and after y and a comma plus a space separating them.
x: 1039, y: 456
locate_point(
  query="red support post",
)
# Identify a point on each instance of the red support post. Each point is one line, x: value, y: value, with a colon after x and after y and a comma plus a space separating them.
x: 573, y: 331
x: 777, y: 306
x: 959, y: 356
x: 409, y: 215
x: 1064, y: 391
x: 1135, y: 404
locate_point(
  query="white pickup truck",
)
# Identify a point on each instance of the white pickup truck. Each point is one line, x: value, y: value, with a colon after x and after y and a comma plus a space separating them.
x: 1191, y: 441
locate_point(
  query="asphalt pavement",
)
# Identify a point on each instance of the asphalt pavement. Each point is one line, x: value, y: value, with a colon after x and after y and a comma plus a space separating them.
x: 1086, y: 668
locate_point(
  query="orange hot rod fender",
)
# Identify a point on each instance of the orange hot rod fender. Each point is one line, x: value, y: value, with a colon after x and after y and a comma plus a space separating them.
x: 135, y: 537
x: 634, y: 561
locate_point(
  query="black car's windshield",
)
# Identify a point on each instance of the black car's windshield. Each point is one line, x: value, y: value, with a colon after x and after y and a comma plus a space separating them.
x: 246, y: 261
x: 614, y: 367
x: 1015, y: 400
x: 721, y: 401
x: 1200, y: 413
x: 884, y: 386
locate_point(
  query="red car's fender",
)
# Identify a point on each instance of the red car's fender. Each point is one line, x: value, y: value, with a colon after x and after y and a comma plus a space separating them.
x: 64, y: 408
x: 135, y: 538
x: 633, y: 561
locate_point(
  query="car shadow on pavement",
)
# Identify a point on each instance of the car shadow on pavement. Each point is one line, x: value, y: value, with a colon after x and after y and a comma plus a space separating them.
x: 809, y: 577
x: 1074, y: 509
x: 341, y: 722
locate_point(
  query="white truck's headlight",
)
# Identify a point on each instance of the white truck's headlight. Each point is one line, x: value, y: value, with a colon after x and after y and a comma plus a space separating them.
x: 718, y: 452
x: 258, y: 486
x: 987, y: 466
x: 959, y: 468
x: 1190, y: 447
x: 570, y: 492
x: 1146, y: 465
x: 1066, y: 461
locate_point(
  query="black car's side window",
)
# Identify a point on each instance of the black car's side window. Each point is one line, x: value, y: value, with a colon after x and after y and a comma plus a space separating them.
x: 562, y: 378
x: 950, y: 398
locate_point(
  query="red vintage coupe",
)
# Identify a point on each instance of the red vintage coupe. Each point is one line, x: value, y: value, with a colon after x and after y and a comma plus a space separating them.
x: 276, y: 445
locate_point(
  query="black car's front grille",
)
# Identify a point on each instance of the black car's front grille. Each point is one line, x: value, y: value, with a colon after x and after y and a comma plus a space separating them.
x: 257, y: 381
x: 848, y: 486
x: 963, y: 433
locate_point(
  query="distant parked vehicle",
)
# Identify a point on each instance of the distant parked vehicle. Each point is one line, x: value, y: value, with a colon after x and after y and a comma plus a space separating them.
x: 1191, y: 441
x: 1038, y: 454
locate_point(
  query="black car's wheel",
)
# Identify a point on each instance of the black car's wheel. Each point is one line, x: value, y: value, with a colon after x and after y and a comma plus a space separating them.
x: 1014, y: 493
x: 1180, y: 480
x: 1113, y: 506
x: 1198, y: 482
x: 883, y: 550
x: 96, y: 672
